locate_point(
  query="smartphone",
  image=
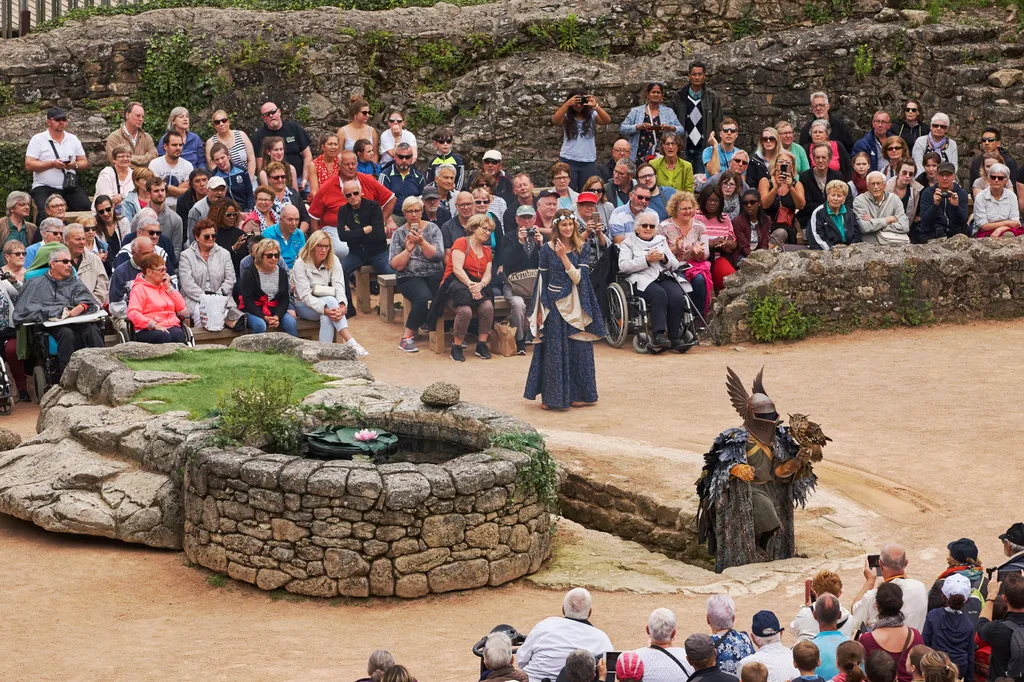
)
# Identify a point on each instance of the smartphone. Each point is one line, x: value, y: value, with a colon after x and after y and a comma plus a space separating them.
x: 610, y: 658
x: 784, y: 168
x: 873, y: 563
x: 808, y: 594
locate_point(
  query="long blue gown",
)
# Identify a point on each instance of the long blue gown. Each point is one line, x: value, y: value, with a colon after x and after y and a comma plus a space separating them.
x: 567, y: 319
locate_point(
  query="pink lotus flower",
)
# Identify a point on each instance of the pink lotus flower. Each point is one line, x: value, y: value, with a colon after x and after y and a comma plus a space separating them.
x: 365, y: 435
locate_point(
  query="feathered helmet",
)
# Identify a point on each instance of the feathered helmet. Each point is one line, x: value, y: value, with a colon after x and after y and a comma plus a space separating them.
x: 758, y: 411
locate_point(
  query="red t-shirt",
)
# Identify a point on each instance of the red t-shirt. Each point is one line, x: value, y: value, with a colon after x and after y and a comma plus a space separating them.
x: 330, y: 198
x: 474, y: 266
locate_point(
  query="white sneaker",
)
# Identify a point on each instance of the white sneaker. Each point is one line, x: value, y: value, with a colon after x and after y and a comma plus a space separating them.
x: 360, y: 351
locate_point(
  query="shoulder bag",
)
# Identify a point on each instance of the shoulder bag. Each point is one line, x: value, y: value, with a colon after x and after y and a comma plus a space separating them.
x: 674, y: 659
x: 70, y: 177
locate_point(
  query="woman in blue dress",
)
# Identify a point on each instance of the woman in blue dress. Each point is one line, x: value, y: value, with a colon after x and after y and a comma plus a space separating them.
x: 566, y: 319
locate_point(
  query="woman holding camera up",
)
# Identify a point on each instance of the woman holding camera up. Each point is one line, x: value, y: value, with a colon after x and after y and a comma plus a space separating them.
x: 782, y: 195
x: 578, y: 117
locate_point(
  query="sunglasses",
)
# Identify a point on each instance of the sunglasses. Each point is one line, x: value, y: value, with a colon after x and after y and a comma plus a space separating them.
x: 65, y: 261
x: 742, y: 162
x: 272, y: 255
x: 17, y: 253
x: 276, y: 177
x: 751, y: 202
x: 218, y: 121
x: 910, y: 109
x: 60, y: 120
x: 269, y: 113
x: 393, y: 120
x: 462, y: 205
x: 599, y: 190
x: 894, y: 148
x: 156, y: 233
x: 405, y: 157
x: 640, y: 198
x: 768, y: 139
x: 997, y: 177
x: 482, y: 202
x: 494, y: 161
x: 108, y: 209
x: 988, y: 139
x: 442, y: 140
x: 208, y: 237
x: 730, y: 130
x: 231, y: 214
x: 89, y: 228
x: 939, y: 125
x: 646, y: 227
x: 365, y: 112
x: 352, y: 194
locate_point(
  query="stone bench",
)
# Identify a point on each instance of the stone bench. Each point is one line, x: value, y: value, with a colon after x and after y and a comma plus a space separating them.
x: 438, y: 337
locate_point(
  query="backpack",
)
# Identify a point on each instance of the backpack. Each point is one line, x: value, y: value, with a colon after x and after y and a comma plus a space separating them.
x: 975, y: 602
x: 1015, y: 666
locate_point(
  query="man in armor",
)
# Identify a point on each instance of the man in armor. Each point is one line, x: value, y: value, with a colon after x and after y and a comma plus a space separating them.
x: 751, y: 479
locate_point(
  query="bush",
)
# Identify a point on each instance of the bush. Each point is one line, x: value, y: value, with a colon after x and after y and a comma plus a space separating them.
x: 540, y: 475
x: 773, y: 317
x: 263, y: 414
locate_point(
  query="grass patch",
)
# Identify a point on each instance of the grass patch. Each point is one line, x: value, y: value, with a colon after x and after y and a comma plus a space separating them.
x: 216, y: 580
x: 220, y: 372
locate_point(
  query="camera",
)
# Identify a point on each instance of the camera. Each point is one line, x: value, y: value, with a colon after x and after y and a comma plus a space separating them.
x: 530, y: 231
x: 581, y: 100
x: 944, y: 194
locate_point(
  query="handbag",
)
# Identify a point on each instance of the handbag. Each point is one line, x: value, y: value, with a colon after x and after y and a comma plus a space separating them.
x: 322, y: 291
x: 70, y: 177
x: 458, y: 295
x: 212, y: 310
x: 503, y: 339
x: 523, y: 283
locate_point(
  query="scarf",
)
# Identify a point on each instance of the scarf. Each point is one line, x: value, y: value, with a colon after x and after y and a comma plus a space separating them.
x: 938, y: 148
x: 860, y: 182
x: 889, y: 622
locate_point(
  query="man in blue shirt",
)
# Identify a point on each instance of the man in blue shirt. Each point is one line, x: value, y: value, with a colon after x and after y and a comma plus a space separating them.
x: 402, y: 179
x: 287, y: 234
x: 827, y: 612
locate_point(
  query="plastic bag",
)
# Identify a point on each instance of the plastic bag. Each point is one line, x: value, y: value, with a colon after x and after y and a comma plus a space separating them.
x: 212, y: 310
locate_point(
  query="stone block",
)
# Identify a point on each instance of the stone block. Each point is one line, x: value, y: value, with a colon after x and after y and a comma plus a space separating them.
x: 444, y: 530
x: 363, y: 530
x: 267, y: 500
x: 382, y: 579
x: 485, y: 535
x: 261, y: 473
x: 364, y: 483
x: 328, y: 482
x: 504, y: 570
x: 441, y: 485
x: 461, y: 575
x: 269, y: 579
x: 341, y: 529
x: 288, y: 531
x: 320, y: 586
x: 295, y: 474
x: 374, y: 548
x: 490, y: 500
x: 343, y: 563
x: 405, y: 490
x: 354, y: 587
x: 471, y: 478
x: 519, y: 540
x: 421, y: 562
x: 412, y: 586
x: 390, y: 533
x: 244, y: 573
x: 404, y: 546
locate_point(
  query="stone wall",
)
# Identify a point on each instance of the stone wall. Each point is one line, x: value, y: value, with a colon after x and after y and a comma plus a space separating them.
x: 353, y: 529
x: 951, y: 280
x: 496, y: 100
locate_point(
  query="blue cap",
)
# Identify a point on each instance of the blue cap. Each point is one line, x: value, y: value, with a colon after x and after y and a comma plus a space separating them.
x: 765, y: 624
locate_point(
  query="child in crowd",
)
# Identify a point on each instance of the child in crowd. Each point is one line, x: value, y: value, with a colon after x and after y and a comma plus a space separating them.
x: 850, y: 661
x: 936, y: 667
x: 807, y: 658
x: 950, y: 629
x: 914, y: 661
x: 364, y: 153
x: 754, y: 672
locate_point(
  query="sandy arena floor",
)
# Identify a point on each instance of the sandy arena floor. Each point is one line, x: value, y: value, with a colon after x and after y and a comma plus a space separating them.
x: 922, y: 420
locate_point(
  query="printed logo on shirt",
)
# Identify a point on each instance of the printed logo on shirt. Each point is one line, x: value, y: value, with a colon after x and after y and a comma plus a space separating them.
x: 289, y: 140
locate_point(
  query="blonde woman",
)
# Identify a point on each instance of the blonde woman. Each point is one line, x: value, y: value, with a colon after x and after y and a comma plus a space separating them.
x: 319, y: 284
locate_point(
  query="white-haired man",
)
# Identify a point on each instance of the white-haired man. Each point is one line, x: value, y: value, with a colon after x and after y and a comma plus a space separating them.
x: 498, y: 658
x: 996, y: 213
x: 544, y: 652
x: 893, y: 564
x: 767, y: 635
x: 880, y: 214
x: 663, y: 661
x: 51, y: 230
x: 732, y: 646
x: 838, y: 130
x: 86, y: 263
x: 936, y: 141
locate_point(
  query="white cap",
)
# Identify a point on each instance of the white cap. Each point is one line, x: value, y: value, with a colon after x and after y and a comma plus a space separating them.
x: 215, y: 182
x: 956, y: 584
x: 492, y: 154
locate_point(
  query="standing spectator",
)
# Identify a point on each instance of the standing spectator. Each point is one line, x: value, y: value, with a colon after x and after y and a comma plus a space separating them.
x: 361, y: 226
x: 617, y: 190
x: 660, y: 196
x: 996, y: 212
x: 787, y: 144
x: 130, y: 133
x: 731, y: 645
x: 562, y: 370
x: 753, y: 227
x: 325, y: 166
x: 54, y: 157
x: 832, y: 224
x: 719, y: 153
x: 88, y: 266
x: 673, y: 171
x: 999, y: 634
x: 520, y: 252
x: 550, y: 641
x: 358, y: 127
x: 263, y: 291
x: 317, y: 269
x: 380, y: 660
x: 560, y: 179
x: 401, y: 177
x: 174, y: 170
x: 911, y: 127
x: 949, y: 629
x: 296, y: 142
x: 840, y: 159
x: 1013, y: 547
x: 937, y: 141
x: 914, y: 597
x: 991, y: 142
x: 240, y: 149
x: 522, y: 189
x: 807, y: 660
x: 216, y: 188
x: 873, y: 142
x: 879, y: 666
x: 206, y: 267
x: 622, y: 218
x: 16, y: 227
x: 395, y: 135
x: 816, y: 180
x: 880, y: 214
x: 197, y: 190
x: 850, y: 662
x: 417, y: 256
x: 620, y: 152
x: 944, y: 208
x: 700, y: 109
x: 644, y: 123
x: 325, y: 207
x: 660, y: 660
x: 498, y: 660
x: 906, y: 189
x: 466, y: 286
x: 192, y: 150
x: 579, y: 117
x: 287, y: 235
x: 155, y: 308
x: 116, y: 180
x: 936, y: 666
x: 782, y: 195
x: 962, y: 560
x: 444, y: 156
x: 701, y: 655
x: 827, y: 613
x: 767, y: 636
x: 721, y: 238
x: 238, y: 182
x: 837, y: 128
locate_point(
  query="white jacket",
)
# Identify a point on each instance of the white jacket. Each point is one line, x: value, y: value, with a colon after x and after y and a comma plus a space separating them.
x: 304, y: 277
x: 633, y: 260
x: 196, y: 276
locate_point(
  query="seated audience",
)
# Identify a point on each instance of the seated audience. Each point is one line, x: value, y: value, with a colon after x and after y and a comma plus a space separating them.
x: 989, y: 159
x: 519, y: 263
x: 782, y: 195
x: 753, y: 226
x: 443, y: 139
x: 16, y: 227
x: 401, y: 177
x: 14, y: 263
x: 146, y: 225
x: 263, y: 291
x: 197, y: 190
x: 580, y: 666
x: 787, y: 144
x: 804, y: 625
x: 660, y: 660
x: 660, y: 196
x: 226, y: 215
x: 906, y: 189
x: 483, y: 200
x: 991, y: 142
x: 560, y: 178
x: 361, y: 226
x: 840, y: 159
x: 550, y: 642
x: 620, y: 152
x: 671, y: 169
x: 702, y: 657
x: 891, y: 632
x: 109, y: 230
x: 930, y: 165
x: 936, y: 141
x: 604, y: 208
x: 649, y: 264
x: 912, y: 126
x: 873, y: 142
x: 319, y: 284
x: 895, y: 150
x: 325, y: 166
x: 767, y: 635
x: 272, y: 150
x: 263, y: 214
x: 617, y: 190
x: 138, y: 198
x: 215, y: 190
x: 88, y: 266
x: 996, y: 212
x: 622, y: 218
x: 688, y: 242
x: 285, y: 195
x: 417, y: 256
x: 880, y: 215
x: 288, y: 235
x: 206, y: 267
x: 859, y: 179
x: 155, y: 308
x: 366, y: 158
x: 499, y: 661
x: 850, y: 662
x: 123, y: 277
x: 55, y: 295
x: 433, y: 210
x: 238, y: 182
x: 115, y: 180
x: 764, y: 156
x: 831, y: 223
x: 56, y: 207
x: 393, y: 138
x: 721, y: 238
x: 732, y: 187
x: 755, y: 672
x: 630, y: 668
x: 944, y: 208
x: 397, y: 673
x: 949, y: 629
x: 547, y: 207
x: 731, y: 645
x: 52, y: 231
x: 522, y: 195
x: 717, y: 156
x: 815, y: 180
x: 821, y: 109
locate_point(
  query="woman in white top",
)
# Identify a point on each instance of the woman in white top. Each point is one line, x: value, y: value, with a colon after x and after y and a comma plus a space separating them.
x: 319, y: 284
x: 395, y: 135
x: 358, y: 128
x: 116, y: 181
x: 238, y: 143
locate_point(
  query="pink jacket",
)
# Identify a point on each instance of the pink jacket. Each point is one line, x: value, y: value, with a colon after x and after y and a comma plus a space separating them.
x: 148, y: 302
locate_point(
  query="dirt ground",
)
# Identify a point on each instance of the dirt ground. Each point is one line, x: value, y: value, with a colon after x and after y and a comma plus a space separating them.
x: 921, y: 421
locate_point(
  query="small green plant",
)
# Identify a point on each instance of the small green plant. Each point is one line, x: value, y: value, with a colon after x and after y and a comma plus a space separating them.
x: 934, y: 8
x: 348, y: 31
x: 443, y: 56
x: 479, y: 41
x: 540, y: 474
x: 303, y: 116
x: 263, y: 413
x: 912, y: 312
x: 216, y: 580
x: 176, y: 74
x: 823, y: 11
x: 508, y: 47
x: 899, y: 47
x: 863, y: 62
x: 423, y: 115
x: 569, y: 34
x: 251, y: 53
x: 6, y: 100
x: 772, y: 318
x: 746, y: 25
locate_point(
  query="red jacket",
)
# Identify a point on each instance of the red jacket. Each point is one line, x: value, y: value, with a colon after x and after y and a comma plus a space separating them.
x: 148, y: 302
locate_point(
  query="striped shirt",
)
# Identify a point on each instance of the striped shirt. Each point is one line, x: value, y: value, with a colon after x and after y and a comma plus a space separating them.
x: 269, y: 283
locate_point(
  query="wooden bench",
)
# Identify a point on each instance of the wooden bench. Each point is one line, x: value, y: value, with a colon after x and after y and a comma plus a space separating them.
x: 307, y: 330
x: 363, y: 288
x: 438, y: 337
x: 388, y: 286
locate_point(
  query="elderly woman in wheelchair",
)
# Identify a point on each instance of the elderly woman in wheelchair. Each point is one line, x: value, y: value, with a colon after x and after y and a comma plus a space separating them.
x: 647, y: 262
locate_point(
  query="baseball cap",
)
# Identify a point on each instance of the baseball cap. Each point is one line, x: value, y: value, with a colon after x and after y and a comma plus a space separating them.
x: 946, y: 167
x: 963, y: 549
x: 430, y: 192
x: 56, y: 112
x: 629, y: 666
x: 956, y: 584
x: 547, y: 193
x: 215, y: 182
x: 765, y: 624
x: 1014, y: 534
x: 529, y: 211
x: 586, y: 198
x: 492, y: 155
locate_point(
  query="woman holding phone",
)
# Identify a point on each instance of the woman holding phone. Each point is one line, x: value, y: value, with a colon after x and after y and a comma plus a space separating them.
x: 782, y: 195
x: 417, y: 255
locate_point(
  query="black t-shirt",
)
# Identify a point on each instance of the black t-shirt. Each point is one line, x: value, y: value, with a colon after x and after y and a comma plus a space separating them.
x: 998, y: 635
x: 295, y: 140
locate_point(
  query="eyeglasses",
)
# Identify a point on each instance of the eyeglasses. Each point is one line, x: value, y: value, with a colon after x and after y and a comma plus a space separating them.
x: 352, y: 194
x: 58, y: 204
x: 561, y: 177
x: 276, y: 177
x: 997, y: 177
x: 988, y: 139
x: 269, y: 113
x: 939, y: 125
x: 393, y: 120
x: 272, y: 255
x: 162, y: 268
x: 365, y: 112
x: 730, y: 130
x: 65, y: 261
x: 442, y: 140
x: 462, y: 204
x: 108, y: 209
x: 208, y: 237
x: 404, y: 157
x: 910, y: 109
x: 218, y: 121
x: 482, y: 202
x: 322, y: 246
x: 751, y: 202
x: 644, y: 177
x: 230, y: 214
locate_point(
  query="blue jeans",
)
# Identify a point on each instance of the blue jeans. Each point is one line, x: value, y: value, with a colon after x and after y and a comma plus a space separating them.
x: 355, y: 260
x: 696, y: 160
x: 288, y: 325
x: 579, y: 172
x: 327, y: 326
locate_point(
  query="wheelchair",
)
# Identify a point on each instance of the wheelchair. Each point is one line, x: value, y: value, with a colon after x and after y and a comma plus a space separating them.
x: 42, y: 349
x: 628, y: 314
x: 128, y: 333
